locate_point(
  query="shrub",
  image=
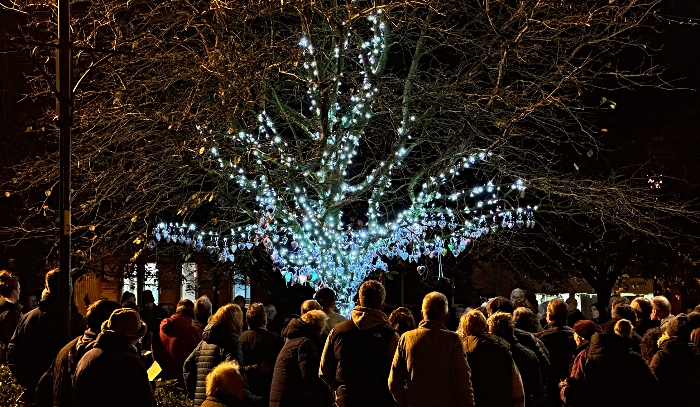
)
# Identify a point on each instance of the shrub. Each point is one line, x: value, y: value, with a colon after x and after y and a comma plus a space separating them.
x: 10, y: 391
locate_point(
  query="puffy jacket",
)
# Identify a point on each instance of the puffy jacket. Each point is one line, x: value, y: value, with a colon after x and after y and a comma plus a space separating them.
x: 559, y: 340
x: 112, y: 374
x: 295, y: 381
x: 529, y: 368
x: 357, y: 359
x: 677, y: 366
x: 219, y: 344
x: 531, y: 342
x: 176, y: 339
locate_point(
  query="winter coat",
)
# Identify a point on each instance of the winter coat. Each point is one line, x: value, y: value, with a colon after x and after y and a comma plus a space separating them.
x: 219, y: 344
x: 531, y: 342
x: 37, y: 340
x: 492, y: 371
x: 529, y: 368
x: 295, y: 381
x: 559, y: 340
x: 260, y: 349
x: 617, y: 377
x: 430, y: 369
x: 357, y: 359
x: 152, y: 317
x: 573, y: 391
x: 9, y: 317
x: 112, y: 374
x: 55, y: 387
x: 677, y: 367
x: 176, y: 339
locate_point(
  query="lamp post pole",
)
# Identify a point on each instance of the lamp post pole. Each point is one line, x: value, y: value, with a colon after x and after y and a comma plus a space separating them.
x: 64, y: 108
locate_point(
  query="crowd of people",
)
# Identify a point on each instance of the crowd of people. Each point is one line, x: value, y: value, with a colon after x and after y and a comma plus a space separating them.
x: 501, y: 355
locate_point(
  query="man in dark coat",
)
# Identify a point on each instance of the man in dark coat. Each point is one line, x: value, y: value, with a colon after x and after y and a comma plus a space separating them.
x: 175, y: 340
x: 559, y: 340
x: 260, y: 349
x: 152, y: 315
x: 624, y: 311
x: 357, y: 356
x: 55, y: 388
x: 295, y: 381
x: 575, y: 314
x: 38, y: 338
x: 10, y: 310
x: 615, y: 376
x: 112, y: 373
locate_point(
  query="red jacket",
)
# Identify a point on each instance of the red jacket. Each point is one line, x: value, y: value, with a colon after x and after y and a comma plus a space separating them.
x: 178, y: 338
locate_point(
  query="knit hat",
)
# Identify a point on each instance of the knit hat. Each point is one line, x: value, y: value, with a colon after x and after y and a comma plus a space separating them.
x: 585, y: 328
x: 125, y: 322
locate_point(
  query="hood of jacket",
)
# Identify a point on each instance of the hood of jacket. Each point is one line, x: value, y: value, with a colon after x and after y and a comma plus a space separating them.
x: 111, y: 341
x: 173, y: 325
x: 48, y: 302
x: 605, y: 346
x: 367, y: 318
x: 297, y: 328
x: 218, y: 334
x: 87, y: 340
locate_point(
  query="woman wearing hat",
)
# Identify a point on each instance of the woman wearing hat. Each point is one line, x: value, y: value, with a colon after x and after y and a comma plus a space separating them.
x: 112, y: 373
x: 572, y: 389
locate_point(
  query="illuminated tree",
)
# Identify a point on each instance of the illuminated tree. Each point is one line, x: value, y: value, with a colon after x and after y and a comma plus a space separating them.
x: 335, y: 135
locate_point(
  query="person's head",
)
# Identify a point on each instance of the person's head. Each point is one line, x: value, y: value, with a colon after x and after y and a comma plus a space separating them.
x: 499, y: 304
x: 682, y: 325
x: 185, y: 307
x: 240, y: 301
x: 524, y: 318
x: 584, y: 330
x: 572, y: 303
x: 128, y: 296
x: 624, y: 311
x: 148, y: 299
x: 225, y: 379
x: 271, y: 312
x: 435, y: 307
x: 623, y: 328
x: 595, y: 310
x: 517, y: 295
x: 231, y: 315
x: 98, y: 312
x: 402, y: 320
x: 52, y: 281
x: 316, y: 318
x: 256, y: 315
x: 650, y: 343
x: 126, y: 323
x: 660, y: 308
x: 501, y: 324
x: 326, y: 297
x: 31, y: 301
x: 310, y: 305
x: 557, y: 312
x: 615, y: 300
x: 9, y: 286
x: 642, y: 308
x: 202, y: 309
x: 472, y: 323
x: 372, y: 294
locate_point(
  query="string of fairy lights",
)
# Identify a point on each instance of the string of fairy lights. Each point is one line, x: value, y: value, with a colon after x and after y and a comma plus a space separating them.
x: 298, y: 221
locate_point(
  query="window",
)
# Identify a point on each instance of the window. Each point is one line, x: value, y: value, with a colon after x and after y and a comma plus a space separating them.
x: 188, y: 284
x: 150, y: 282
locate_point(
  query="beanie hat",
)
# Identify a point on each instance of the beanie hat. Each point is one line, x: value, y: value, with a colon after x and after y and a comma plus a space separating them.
x: 125, y: 322
x: 585, y: 328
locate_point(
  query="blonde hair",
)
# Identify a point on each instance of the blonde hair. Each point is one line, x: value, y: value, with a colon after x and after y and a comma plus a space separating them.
x: 225, y: 379
x: 472, y: 323
x: 623, y: 328
x: 231, y: 315
x: 316, y: 317
x: 310, y: 305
